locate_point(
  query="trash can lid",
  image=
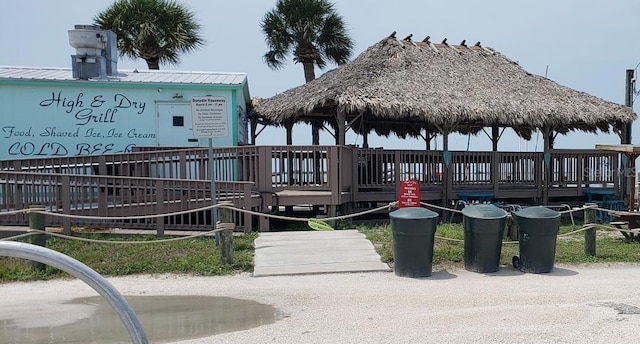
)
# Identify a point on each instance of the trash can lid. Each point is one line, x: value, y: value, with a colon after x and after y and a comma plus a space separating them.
x: 537, y: 212
x: 484, y: 211
x: 413, y: 213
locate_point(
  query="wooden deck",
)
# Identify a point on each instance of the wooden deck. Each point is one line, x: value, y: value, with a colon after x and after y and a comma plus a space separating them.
x: 153, y: 180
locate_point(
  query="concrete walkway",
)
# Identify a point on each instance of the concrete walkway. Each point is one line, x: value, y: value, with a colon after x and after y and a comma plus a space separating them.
x: 312, y: 252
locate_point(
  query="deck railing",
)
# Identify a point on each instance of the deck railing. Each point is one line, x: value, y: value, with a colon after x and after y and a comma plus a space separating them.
x: 120, y: 197
x: 584, y: 168
x: 311, y: 167
x: 350, y: 174
x: 519, y: 168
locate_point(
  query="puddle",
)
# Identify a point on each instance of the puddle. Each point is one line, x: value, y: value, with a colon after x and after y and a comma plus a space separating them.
x: 164, y: 318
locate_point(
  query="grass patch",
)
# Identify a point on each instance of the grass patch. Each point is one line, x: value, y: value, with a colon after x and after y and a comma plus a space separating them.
x: 197, y: 256
x: 448, y: 248
x: 200, y: 256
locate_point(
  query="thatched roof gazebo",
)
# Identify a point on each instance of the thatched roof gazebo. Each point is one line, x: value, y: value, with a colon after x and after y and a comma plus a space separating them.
x: 406, y: 87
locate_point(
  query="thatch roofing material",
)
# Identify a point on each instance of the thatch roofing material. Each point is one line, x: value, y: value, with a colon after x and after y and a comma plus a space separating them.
x: 403, y: 85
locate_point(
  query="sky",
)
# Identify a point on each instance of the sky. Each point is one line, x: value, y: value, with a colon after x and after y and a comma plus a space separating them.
x: 586, y: 45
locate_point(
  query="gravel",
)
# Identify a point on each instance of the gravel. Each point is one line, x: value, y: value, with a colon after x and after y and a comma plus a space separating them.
x: 573, y: 304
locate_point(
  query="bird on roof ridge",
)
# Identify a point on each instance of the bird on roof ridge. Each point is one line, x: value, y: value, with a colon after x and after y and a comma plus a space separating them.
x: 463, y: 43
x: 478, y: 44
x: 444, y: 41
x: 408, y: 38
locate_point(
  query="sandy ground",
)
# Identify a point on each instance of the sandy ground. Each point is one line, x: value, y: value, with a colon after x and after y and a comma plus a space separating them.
x: 573, y: 304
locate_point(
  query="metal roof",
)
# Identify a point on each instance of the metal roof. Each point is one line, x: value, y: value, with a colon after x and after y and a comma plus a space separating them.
x: 135, y: 76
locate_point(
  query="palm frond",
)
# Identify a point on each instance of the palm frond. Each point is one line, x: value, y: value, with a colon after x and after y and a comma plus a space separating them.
x: 159, y: 30
x: 299, y: 27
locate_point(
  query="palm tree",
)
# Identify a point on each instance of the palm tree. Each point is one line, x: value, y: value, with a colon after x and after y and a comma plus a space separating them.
x: 154, y: 30
x: 313, y: 32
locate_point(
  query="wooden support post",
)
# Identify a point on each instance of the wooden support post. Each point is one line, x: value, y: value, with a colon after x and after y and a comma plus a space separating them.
x: 159, y: 208
x: 547, y: 135
x: 36, y: 221
x: 447, y: 177
x: 631, y: 176
x: 590, y: 234
x: 331, y: 212
x: 226, y: 234
x: 264, y: 183
x: 347, y: 208
x: 248, y: 226
x: 289, y: 127
x: 254, y: 130
x: 495, y: 137
x: 341, y: 118
x: 264, y: 224
x: 289, y: 157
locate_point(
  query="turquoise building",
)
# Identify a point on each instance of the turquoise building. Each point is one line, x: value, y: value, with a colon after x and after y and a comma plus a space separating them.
x: 93, y: 109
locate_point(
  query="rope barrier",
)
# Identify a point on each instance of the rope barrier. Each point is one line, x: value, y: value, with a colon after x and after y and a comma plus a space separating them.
x: 273, y: 216
x: 578, y: 209
x: 280, y: 217
x: 230, y: 226
x: 220, y: 205
x: 222, y: 227
x: 441, y: 208
x: 17, y: 236
x: 132, y: 217
x: 606, y: 210
x: 14, y: 212
x: 616, y: 229
x: 301, y: 219
x: 575, y: 231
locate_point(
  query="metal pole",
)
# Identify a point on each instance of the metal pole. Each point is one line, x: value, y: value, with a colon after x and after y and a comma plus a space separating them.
x: 628, y: 101
x: 86, y: 274
x: 214, y: 213
x: 626, y: 132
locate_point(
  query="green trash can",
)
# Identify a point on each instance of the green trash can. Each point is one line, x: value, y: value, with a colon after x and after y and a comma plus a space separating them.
x: 413, y: 232
x: 484, y: 226
x: 537, y: 236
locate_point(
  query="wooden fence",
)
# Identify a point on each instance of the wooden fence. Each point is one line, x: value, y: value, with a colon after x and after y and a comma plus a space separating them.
x: 125, y: 198
x: 332, y: 176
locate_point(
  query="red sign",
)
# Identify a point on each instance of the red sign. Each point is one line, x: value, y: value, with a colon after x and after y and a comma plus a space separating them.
x: 409, y: 194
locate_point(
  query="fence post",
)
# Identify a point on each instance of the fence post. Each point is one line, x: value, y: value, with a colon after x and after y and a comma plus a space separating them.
x: 65, y: 200
x: 590, y: 234
x: 160, y: 208
x: 226, y: 225
x: 36, y: 221
x: 248, y: 226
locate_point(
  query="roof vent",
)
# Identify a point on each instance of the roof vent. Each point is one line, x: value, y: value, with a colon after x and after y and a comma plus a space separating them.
x: 96, y: 52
